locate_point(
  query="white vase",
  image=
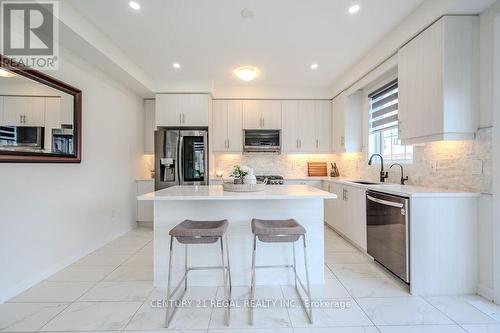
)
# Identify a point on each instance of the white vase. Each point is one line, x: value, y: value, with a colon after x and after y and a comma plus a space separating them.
x: 250, y: 179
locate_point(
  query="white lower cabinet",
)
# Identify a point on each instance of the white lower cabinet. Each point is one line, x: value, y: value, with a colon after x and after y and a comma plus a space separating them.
x: 145, y: 209
x: 347, y: 213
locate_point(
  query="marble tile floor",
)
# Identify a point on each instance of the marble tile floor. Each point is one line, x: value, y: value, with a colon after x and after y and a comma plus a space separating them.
x: 111, y: 290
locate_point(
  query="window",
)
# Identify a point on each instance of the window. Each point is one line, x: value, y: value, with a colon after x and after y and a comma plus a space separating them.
x: 383, y: 126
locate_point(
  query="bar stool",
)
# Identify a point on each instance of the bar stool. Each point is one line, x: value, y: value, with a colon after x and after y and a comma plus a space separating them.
x: 281, y: 231
x: 198, y: 232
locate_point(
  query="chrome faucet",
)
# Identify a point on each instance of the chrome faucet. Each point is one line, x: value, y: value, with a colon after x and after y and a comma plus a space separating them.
x: 383, y: 174
x: 403, y: 178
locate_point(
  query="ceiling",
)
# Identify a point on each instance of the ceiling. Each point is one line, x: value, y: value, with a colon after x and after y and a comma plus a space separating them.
x: 211, y: 38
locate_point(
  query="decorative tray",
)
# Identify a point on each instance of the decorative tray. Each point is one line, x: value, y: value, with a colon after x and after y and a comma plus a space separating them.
x: 230, y: 187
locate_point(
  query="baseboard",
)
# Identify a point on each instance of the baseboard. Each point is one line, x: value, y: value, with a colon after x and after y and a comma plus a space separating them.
x: 33, y: 280
x: 485, y: 292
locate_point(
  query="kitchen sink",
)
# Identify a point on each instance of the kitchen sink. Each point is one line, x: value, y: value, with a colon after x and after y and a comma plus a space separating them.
x: 363, y: 182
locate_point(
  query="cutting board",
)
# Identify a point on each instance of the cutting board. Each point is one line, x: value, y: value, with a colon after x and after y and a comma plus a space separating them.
x: 318, y: 169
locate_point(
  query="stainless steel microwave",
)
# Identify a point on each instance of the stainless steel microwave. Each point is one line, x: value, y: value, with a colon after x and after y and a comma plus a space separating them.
x: 262, y: 141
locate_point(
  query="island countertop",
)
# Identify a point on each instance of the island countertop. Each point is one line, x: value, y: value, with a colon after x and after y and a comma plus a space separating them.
x: 215, y: 192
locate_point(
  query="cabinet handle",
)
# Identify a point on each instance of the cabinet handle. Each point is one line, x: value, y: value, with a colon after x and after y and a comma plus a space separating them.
x: 297, y: 143
x: 317, y: 143
x: 20, y: 118
x: 300, y: 143
x: 24, y: 119
x: 180, y: 118
x: 183, y: 118
x: 263, y: 122
x: 342, y: 141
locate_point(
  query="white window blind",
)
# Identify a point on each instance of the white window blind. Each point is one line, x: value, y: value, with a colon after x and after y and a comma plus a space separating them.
x: 384, y: 108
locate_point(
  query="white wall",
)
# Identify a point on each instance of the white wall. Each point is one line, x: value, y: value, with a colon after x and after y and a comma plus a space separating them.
x: 50, y: 215
x: 496, y: 148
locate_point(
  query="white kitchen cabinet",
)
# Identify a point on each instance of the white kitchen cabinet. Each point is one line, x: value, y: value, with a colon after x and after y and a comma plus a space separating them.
x: 24, y: 111
x: 438, y: 82
x: 261, y: 114
x: 182, y: 110
x: 347, y: 214
x: 306, y: 126
x: 323, y: 120
x: 227, y: 133
x: 145, y: 209
x: 149, y: 126
x: 290, y: 133
x: 347, y: 116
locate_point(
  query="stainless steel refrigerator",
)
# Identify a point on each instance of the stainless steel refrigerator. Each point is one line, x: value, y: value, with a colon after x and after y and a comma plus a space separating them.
x: 181, y: 157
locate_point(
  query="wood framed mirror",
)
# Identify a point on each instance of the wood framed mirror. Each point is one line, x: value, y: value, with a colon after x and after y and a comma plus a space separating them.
x: 40, y: 117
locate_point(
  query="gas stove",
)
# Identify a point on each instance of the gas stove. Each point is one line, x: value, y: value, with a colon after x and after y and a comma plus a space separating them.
x: 272, y: 180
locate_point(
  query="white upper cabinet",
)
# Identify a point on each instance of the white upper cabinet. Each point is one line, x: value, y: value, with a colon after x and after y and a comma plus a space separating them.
x: 24, y: 111
x: 290, y: 133
x: 323, y: 119
x: 182, y: 110
x: 438, y: 82
x: 347, y: 113
x: 149, y: 126
x: 306, y: 126
x: 259, y: 114
x: 227, y: 132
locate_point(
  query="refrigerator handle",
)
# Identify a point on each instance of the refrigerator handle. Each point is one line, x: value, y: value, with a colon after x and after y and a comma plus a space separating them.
x: 179, y: 159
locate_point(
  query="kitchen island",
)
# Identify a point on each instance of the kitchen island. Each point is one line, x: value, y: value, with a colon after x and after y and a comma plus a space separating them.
x: 175, y: 204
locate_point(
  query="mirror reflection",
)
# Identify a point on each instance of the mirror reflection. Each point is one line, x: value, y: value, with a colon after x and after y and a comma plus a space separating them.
x: 35, y: 118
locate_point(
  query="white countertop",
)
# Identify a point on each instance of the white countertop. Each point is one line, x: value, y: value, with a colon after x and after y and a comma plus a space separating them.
x: 215, y: 192
x: 401, y: 190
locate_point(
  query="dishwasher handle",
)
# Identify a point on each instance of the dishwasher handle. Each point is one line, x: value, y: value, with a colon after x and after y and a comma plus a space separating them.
x: 385, y: 202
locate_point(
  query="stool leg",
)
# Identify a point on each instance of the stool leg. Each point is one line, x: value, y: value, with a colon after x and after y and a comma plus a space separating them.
x: 307, y: 280
x: 167, y: 315
x: 229, y: 268
x: 230, y: 280
x: 294, y: 266
x: 185, y: 266
x: 252, y: 288
x: 224, y: 277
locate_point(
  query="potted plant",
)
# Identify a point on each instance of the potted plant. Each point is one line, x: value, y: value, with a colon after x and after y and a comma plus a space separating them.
x: 240, y: 173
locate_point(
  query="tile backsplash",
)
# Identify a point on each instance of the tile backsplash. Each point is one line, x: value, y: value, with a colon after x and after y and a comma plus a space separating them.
x: 456, y: 165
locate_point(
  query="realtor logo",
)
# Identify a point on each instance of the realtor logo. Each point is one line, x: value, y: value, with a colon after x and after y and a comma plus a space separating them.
x: 29, y: 33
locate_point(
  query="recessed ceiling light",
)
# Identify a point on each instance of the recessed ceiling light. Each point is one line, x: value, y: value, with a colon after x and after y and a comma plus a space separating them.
x: 6, y: 73
x: 176, y: 65
x: 354, y: 9
x: 314, y: 66
x: 246, y: 73
x: 134, y: 5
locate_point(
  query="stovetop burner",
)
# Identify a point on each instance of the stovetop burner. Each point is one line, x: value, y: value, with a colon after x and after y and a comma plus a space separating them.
x: 271, y: 180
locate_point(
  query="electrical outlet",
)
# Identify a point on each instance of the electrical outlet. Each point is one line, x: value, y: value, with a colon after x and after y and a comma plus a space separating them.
x: 477, y: 167
x: 433, y: 165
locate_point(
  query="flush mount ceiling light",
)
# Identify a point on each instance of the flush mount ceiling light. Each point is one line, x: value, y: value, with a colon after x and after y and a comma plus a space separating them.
x: 246, y: 73
x: 6, y: 73
x: 354, y: 9
x: 314, y: 66
x: 134, y: 5
x: 247, y: 13
x: 176, y: 65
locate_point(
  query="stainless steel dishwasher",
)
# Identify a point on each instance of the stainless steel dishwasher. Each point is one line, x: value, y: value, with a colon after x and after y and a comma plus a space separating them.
x: 388, y: 232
